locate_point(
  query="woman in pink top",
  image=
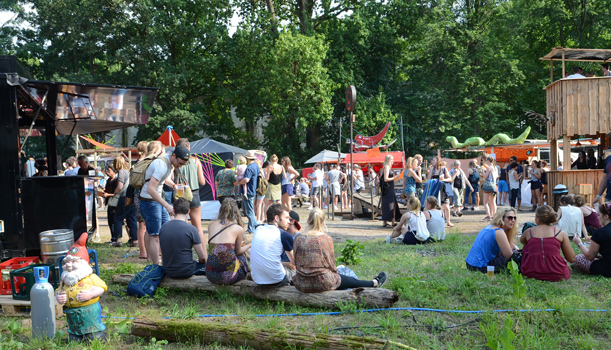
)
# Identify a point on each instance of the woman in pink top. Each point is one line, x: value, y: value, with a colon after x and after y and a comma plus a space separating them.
x: 541, y: 257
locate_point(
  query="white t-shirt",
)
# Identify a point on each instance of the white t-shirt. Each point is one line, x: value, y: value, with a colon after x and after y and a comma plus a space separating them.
x: 575, y: 76
x: 267, y: 246
x: 317, y: 178
x: 160, y: 170
x: 360, y: 179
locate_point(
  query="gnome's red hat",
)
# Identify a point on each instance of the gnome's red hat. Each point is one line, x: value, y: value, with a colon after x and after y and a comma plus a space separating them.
x: 79, y: 249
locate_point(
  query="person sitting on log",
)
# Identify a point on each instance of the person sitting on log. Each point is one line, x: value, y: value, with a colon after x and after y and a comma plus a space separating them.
x: 315, y: 261
x: 293, y: 229
x: 226, y: 262
x: 268, y: 243
x: 177, y: 238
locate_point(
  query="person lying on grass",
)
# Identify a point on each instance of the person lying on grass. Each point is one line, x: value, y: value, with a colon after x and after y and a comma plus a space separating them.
x: 493, y: 245
x: 541, y: 257
x: 412, y: 228
x: 315, y: 261
x: 588, y: 261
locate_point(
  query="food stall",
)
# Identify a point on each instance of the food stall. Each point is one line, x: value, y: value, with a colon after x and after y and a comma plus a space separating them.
x: 577, y: 108
x: 32, y: 205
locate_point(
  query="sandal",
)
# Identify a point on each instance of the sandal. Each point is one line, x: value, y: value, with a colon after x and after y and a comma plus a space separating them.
x: 386, y: 225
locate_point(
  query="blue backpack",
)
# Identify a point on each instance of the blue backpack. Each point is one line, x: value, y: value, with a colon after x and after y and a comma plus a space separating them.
x: 145, y: 283
x: 474, y: 178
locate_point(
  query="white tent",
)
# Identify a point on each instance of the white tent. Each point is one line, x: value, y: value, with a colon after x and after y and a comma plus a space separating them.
x: 326, y: 156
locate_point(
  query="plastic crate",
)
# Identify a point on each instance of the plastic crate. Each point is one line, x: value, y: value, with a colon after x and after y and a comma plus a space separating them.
x: 10, y: 265
x: 93, y: 262
x: 21, y: 291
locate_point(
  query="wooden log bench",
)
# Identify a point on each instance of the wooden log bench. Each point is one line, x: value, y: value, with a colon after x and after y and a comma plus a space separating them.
x: 368, y: 297
x: 240, y: 335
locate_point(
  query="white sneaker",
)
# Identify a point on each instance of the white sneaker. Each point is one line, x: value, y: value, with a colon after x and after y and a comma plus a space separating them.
x: 310, y: 207
x: 398, y: 240
x: 335, y: 207
x: 388, y: 239
x: 476, y: 208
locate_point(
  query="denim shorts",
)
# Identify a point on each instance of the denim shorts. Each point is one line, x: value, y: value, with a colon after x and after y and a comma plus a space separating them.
x: 154, y: 215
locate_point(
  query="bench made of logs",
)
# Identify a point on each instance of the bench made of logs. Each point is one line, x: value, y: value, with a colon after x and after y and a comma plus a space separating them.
x: 369, y: 297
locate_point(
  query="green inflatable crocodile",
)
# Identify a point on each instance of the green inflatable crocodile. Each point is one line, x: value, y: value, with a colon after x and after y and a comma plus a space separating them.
x: 495, y: 140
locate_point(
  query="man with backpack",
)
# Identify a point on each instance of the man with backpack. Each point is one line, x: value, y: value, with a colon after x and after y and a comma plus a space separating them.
x: 154, y: 209
x: 251, y: 175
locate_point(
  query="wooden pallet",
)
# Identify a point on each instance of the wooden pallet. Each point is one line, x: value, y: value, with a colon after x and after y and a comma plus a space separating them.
x: 12, y: 307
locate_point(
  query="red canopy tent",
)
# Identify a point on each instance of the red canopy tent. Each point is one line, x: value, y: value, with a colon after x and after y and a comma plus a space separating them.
x: 169, y: 137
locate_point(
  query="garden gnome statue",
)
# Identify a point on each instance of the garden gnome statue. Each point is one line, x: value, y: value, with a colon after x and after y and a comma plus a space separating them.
x: 80, y: 290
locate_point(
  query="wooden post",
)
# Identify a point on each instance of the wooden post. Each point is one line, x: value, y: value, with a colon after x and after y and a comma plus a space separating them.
x: 95, y: 161
x: 553, y: 154
x: 563, y: 69
x: 551, y: 71
x: 566, y: 148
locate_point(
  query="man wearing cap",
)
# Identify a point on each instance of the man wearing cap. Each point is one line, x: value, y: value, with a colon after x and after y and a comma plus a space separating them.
x: 251, y: 175
x: 154, y: 209
x: 80, y: 290
x: 293, y: 229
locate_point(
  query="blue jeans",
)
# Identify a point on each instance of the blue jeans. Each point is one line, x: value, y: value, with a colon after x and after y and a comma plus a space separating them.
x: 127, y: 213
x: 249, y: 210
x: 154, y: 215
x: 473, y: 196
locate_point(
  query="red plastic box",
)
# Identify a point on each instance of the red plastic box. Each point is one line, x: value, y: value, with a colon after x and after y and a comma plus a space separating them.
x: 13, y: 264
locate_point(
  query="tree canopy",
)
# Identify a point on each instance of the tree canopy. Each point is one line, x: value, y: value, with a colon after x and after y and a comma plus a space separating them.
x: 461, y: 68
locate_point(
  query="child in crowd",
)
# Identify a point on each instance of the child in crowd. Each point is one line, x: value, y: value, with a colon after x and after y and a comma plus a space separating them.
x: 239, y: 172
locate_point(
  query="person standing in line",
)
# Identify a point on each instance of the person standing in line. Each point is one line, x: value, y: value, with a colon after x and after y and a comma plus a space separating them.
x: 288, y: 182
x: 193, y: 173
x: 153, y: 207
x: 260, y: 202
x: 490, y: 188
x: 333, y: 178
x: 514, y: 183
x: 503, y: 186
x: 109, y: 191
x: 274, y: 175
x: 459, y: 183
x: 316, y: 177
x: 251, y: 175
x: 535, y: 185
x: 411, y: 178
x: 520, y: 176
x: 418, y: 170
x: 390, y: 207
x: 123, y: 212
x: 343, y: 182
x: 473, y: 190
x: 224, y: 181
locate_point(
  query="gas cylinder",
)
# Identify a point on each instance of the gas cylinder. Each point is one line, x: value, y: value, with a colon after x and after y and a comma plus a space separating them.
x: 43, y: 305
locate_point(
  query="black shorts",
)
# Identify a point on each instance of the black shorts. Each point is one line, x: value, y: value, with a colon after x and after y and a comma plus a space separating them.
x: 195, y: 202
x: 536, y: 185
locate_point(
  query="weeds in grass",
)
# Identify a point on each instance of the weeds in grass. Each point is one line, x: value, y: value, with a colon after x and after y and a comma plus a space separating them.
x: 498, y: 339
x: 155, y: 344
x: 184, y: 311
x: 9, y: 340
x: 351, y: 253
x: 347, y: 306
x: 389, y: 321
x: 519, y: 286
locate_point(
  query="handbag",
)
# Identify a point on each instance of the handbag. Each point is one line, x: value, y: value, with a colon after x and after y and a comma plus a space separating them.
x: 489, y: 186
x: 114, y: 200
x: 187, y: 193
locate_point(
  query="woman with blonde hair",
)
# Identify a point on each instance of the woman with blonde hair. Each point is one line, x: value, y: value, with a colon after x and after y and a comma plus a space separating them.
x: 123, y: 212
x: 410, y: 177
x: 494, y: 245
x: 434, y: 221
x: 226, y: 262
x: 412, y: 227
x: 315, y: 261
x: 543, y: 243
x: 489, y: 188
x: 390, y: 208
x: 288, y: 182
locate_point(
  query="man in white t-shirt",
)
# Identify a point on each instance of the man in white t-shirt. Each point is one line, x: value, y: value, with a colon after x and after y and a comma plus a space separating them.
x: 358, y: 178
x: 576, y: 73
x: 153, y: 208
x: 268, y: 243
x: 316, y: 177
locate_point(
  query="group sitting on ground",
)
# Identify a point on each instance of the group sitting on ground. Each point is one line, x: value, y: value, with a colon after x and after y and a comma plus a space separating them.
x: 419, y: 227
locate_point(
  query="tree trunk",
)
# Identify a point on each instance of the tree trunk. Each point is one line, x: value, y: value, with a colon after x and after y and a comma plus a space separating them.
x: 234, y: 335
x: 369, y: 297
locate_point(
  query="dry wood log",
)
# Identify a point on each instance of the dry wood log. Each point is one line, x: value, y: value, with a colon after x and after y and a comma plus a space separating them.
x: 369, y: 297
x: 235, y: 335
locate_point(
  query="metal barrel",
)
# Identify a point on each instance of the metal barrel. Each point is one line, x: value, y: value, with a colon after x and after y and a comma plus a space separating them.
x: 54, y: 244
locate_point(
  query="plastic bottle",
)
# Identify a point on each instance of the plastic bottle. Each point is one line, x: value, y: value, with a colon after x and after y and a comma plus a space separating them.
x: 43, y: 305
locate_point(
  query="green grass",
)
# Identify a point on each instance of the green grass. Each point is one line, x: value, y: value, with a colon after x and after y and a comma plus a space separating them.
x: 429, y: 276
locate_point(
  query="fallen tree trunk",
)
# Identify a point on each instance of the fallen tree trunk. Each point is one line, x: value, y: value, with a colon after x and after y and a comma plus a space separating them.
x: 369, y: 297
x: 236, y: 335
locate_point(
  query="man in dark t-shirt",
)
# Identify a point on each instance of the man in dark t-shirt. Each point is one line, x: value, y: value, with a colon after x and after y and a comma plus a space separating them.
x: 177, y: 238
x: 84, y: 166
x: 605, y: 184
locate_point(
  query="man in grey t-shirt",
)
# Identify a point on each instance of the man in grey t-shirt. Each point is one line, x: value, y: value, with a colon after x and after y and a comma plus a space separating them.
x: 334, y: 176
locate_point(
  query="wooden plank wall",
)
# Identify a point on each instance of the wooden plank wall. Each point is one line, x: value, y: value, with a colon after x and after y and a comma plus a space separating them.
x: 581, y: 107
x: 570, y: 178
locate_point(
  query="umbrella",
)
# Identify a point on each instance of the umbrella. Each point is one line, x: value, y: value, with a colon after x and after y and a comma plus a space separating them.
x: 326, y: 156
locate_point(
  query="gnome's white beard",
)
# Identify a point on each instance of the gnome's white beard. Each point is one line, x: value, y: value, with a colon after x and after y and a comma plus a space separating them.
x: 71, y: 278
